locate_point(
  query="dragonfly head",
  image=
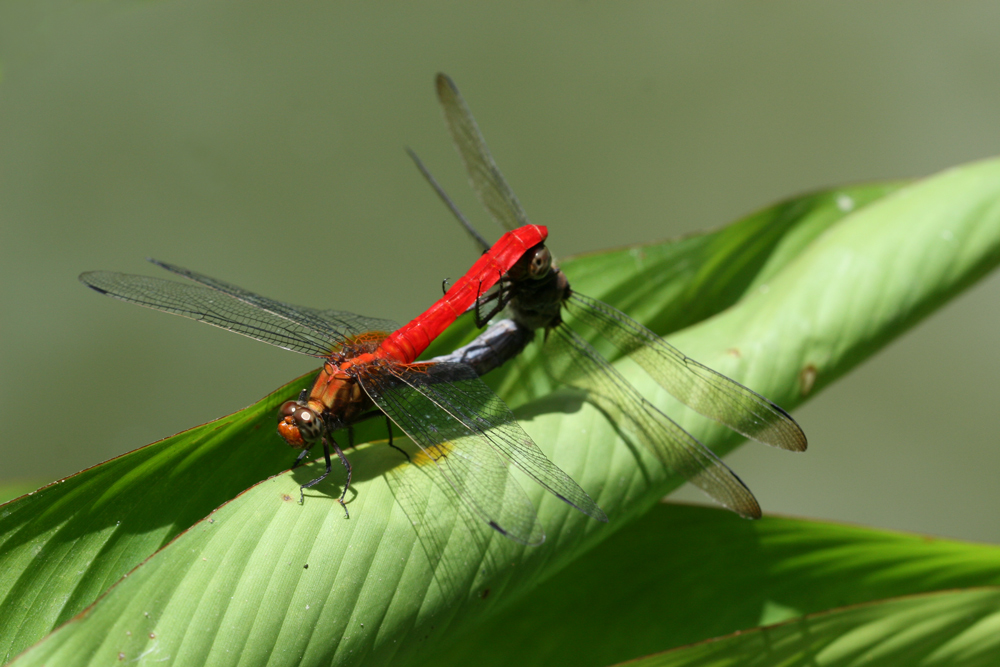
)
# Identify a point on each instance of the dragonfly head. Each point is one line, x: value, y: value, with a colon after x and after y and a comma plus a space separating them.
x: 533, y: 265
x: 299, y: 424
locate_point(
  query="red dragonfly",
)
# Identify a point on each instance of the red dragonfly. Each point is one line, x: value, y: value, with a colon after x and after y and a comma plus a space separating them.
x: 537, y: 292
x: 445, y: 408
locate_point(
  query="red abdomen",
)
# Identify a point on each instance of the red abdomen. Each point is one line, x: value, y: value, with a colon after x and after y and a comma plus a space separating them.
x: 408, y: 342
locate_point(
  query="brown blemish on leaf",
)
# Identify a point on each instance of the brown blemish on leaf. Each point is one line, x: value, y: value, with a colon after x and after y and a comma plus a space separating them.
x: 735, y: 352
x: 807, y: 378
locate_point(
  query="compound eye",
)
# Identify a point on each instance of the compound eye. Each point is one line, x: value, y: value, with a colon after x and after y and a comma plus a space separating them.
x: 298, y: 424
x: 305, y: 418
x: 541, y: 262
x: 309, y: 423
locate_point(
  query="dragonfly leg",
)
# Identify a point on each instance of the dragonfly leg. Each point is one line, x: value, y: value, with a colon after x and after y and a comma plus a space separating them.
x: 301, y: 457
x: 388, y: 426
x: 501, y: 301
x: 329, y: 468
x: 347, y: 465
x: 444, y: 286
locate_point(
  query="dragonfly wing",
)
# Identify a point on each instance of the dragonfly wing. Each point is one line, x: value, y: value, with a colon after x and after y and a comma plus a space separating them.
x: 452, y: 206
x: 481, y: 411
x: 573, y: 361
x: 708, y: 392
x: 354, y: 324
x: 334, y: 323
x: 487, y: 181
x: 477, y: 473
x: 284, y: 329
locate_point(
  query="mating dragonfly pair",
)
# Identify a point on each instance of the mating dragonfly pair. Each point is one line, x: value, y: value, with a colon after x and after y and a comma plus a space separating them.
x: 370, y: 368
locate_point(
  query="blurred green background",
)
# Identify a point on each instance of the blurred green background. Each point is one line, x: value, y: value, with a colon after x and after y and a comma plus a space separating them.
x: 263, y: 143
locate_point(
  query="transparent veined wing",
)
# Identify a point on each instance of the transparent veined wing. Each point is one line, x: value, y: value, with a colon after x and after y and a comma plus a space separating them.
x: 335, y: 323
x: 708, y: 392
x: 205, y: 304
x: 573, y: 361
x: 487, y: 181
x: 471, y: 435
x: 476, y: 472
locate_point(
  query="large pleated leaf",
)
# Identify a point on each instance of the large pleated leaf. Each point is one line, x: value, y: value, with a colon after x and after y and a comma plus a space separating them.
x: 670, y: 286
x: 682, y: 574
x: 831, y: 280
x: 954, y: 629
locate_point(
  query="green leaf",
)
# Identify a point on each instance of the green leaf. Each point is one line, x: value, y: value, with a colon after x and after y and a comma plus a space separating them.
x: 675, y: 284
x: 683, y: 574
x: 958, y: 629
x: 65, y: 544
x: 13, y: 488
x: 410, y: 564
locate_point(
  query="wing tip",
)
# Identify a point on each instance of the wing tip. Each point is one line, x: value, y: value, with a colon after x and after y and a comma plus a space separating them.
x: 96, y: 280
x: 800, y: 445
x: 752, y: 512
x: 444, y: 84
x: 591, y: 508
x: 87, y: 279
x: 786, y: 435
x: 792, y: 437
x: 529, y: 541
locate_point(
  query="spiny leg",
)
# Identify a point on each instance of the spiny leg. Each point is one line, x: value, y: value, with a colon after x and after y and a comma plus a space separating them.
x: 329, y: 468
x: 482, y: 319
x: 388, y: 426
x: 347, y: 464
x: 300, y: 458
